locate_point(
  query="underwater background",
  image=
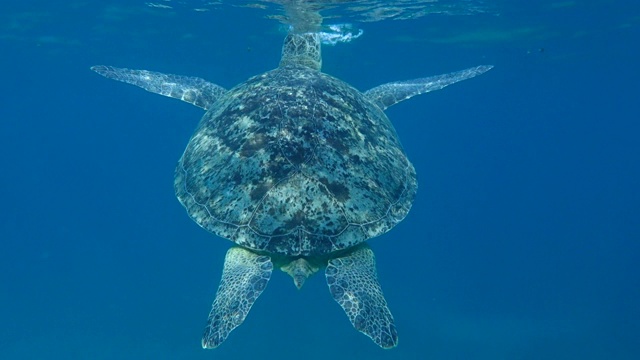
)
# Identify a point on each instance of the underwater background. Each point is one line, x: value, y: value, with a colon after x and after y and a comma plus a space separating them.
x: 523, y: 241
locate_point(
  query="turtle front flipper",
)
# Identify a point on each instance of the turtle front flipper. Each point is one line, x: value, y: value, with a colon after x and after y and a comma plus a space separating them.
x: 353, y: 283
x: 244, y: 276
x: 392, y: 93
x: 194, y: 90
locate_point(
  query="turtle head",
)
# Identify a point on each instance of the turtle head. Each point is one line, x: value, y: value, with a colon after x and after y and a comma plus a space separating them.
x: 302, y: 49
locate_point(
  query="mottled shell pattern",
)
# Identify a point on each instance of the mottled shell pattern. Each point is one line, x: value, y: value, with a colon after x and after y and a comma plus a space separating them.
x: 295, y: 162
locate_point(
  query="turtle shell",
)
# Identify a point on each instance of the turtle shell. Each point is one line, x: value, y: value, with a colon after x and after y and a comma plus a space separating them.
x: 295, y: 162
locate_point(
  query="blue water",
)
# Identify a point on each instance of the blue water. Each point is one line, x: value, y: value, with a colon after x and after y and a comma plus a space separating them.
x: 523, y: 242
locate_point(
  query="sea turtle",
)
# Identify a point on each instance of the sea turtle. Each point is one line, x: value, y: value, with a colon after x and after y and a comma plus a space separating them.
x: 298, y: 169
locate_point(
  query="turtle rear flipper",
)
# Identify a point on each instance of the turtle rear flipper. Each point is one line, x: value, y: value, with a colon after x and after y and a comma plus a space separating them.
x: 193, y: 90
x: 244, y: 276
x: 353, y: 283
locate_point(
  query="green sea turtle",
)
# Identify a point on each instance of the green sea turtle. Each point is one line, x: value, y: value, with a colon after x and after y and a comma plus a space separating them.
x: 298, y: 169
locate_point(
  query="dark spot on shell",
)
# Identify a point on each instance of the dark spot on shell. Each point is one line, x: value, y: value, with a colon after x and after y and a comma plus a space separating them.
x: 294, y: 153
x: 259, y: 192
x: 339, y: 191
x: 336, y: 142
x: 237, y: 178
x: 298, y: 218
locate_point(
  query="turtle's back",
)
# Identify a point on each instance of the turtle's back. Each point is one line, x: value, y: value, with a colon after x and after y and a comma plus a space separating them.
x: 295, y: 162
